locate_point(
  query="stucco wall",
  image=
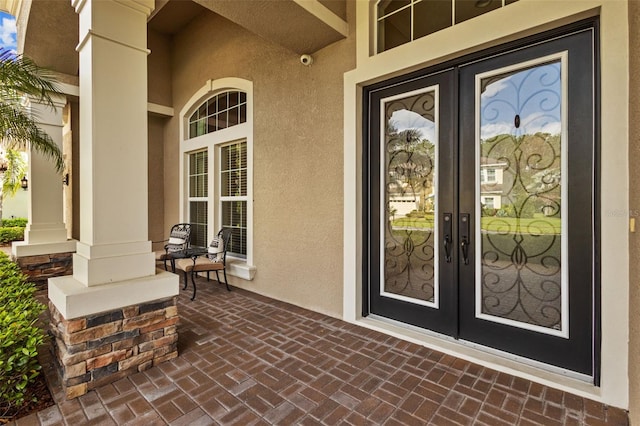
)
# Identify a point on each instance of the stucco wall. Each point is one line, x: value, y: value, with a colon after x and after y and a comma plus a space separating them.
x: 159, y: 68
x: 298, y: 156
x: 156, y: 181
x: 634, y: 206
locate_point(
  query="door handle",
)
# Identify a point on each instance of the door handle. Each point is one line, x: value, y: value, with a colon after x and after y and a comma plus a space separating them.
x: 465, y: 236
x: 448, y: 239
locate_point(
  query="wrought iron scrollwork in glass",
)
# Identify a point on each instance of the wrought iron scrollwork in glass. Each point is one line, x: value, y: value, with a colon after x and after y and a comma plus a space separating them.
x: 521, y: 206
x: 410, y: 170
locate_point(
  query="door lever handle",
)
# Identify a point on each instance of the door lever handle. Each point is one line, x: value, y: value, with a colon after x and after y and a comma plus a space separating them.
x: 464, y: 245
x: 448, y: 240
x: 465, y: 237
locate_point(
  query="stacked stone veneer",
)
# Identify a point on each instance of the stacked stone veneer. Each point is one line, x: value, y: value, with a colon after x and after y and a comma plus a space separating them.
x: 42, y: 267
x: 102, y: 348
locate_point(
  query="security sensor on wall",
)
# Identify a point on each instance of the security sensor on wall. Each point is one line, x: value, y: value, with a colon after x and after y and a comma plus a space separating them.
x: 306, y: 60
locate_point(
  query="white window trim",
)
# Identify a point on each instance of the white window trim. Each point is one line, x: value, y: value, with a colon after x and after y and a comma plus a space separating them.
x: 241, y: 268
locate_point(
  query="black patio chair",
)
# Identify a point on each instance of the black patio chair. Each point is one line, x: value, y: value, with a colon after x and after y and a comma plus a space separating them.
x: 214, y: 259
x: 179, y: 240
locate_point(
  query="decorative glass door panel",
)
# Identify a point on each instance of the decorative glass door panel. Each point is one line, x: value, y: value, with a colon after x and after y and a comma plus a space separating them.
x: 479, y: 195
x: 410, y: 170
x: 411, y: 197
x: 521, y: 177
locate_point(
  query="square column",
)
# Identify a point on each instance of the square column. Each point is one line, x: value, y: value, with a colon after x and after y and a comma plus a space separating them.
x: 113, y: 242
x: 46, y: 232
x: 114, y: 252
x: 115, y: 291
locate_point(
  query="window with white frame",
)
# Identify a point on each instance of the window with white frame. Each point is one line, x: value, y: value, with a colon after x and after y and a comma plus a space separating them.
x: 489, y: 202
x: 402, y: 21
x: 219, y: 112
x: 198, y: 199
x: 491, y: 175
x: 233, y: 195
x: 217, y: 123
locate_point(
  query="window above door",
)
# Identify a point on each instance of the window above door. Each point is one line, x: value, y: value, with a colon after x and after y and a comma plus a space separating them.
x: 402, y: 21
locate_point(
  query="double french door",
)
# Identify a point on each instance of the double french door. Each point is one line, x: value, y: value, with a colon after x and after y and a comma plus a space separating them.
x: 480, y: 200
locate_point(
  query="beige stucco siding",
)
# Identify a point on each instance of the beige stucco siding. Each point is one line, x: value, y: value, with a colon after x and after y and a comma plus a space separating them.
x: 156, y: 181
x: 634, y: 205
x: 297, y: 150
x: 159, y: 68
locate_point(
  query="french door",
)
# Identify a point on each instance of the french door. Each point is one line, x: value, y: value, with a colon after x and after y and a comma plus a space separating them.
x: 480, y: 200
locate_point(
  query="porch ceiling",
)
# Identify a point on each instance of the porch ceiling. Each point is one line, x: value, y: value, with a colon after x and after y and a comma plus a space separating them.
x: 302, y: 26
x: 50, y: 34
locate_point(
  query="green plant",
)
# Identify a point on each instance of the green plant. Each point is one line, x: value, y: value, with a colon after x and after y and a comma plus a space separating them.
x: 19, y: 334
x: 14, y: 233
x: 14, y: 222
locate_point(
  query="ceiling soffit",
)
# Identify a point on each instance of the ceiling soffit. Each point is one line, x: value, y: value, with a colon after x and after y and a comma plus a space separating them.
x: 302, y: 26
x: 51, y: 35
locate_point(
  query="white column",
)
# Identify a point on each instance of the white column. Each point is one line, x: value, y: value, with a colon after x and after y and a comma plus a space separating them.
x: 114, y: 265
x: 46, y: 232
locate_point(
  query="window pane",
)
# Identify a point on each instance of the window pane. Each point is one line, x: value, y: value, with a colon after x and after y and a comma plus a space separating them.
x: 243, y: 182
x: 233, y: 99
x: 234, y: 216
x: 222, y: 102
x: 243, y: 113
x: 198, y: 219
x: 213, y: 125
x: 222, y: 120
x: 233, y: 170
x: 198, y: 172
x: 394, y: 30
x: 467, y: 9
x: 521, y: 253
x: 201, y: 127
x: 387, y: 6
x: 202, y: 111
x: 233, y: 117
x: 192, y: 186
x: 431, y: 16
x: 213, y: 105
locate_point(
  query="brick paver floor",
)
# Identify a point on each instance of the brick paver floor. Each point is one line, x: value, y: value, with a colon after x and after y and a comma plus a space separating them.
x: 247, y: 359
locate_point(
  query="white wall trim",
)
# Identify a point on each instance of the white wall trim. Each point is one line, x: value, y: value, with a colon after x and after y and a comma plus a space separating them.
x: 160, y: 109
x: 321, y: 12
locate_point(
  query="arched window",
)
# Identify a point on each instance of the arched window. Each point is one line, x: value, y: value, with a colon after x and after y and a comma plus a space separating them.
x: 217, y: 168
x: 219, y: 112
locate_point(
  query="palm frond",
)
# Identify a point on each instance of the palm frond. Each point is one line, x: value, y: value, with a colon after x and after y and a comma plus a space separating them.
x: 20, y: 75
x: 20, y: 131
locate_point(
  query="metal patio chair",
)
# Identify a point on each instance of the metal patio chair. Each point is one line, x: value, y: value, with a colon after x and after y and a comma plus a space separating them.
x: 179, y: 240
x: 213, y: 259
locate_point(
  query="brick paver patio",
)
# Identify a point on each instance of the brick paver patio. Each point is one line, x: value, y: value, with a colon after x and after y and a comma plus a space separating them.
x: 247, y: 359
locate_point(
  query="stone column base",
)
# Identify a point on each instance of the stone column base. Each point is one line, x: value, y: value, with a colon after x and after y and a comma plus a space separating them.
x: 40, y: 268
x: 102, y: 348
